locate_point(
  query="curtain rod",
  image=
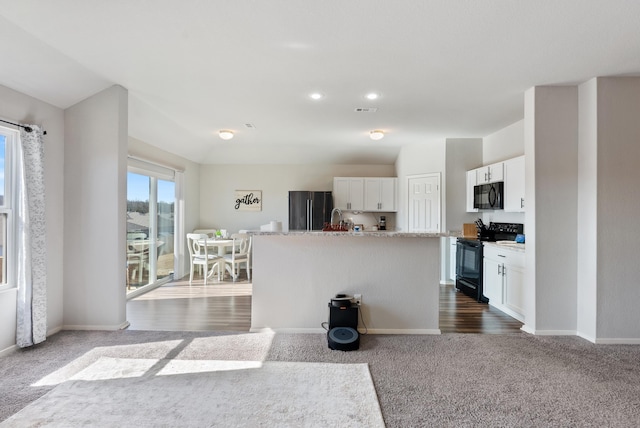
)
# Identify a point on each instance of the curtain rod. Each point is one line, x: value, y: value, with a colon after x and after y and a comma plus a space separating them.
x: 26, y: 128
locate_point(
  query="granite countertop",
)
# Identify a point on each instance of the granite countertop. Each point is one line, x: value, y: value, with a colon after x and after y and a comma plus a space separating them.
x: 374, y: 233
x: 510, y: 246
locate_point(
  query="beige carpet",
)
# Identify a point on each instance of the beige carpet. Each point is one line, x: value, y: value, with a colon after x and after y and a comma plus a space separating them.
x: 119, y: 392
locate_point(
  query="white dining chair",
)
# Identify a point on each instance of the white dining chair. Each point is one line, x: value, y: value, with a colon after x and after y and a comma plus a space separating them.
x: 240, y: 254
x: 200, y: 256
x: 137, y: 260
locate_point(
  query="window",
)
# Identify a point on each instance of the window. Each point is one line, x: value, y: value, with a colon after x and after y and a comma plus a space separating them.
x: 8, y: 139
x: 151, y: 196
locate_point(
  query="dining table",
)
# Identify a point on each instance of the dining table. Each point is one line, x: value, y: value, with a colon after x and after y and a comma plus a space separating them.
x: 221, y: 245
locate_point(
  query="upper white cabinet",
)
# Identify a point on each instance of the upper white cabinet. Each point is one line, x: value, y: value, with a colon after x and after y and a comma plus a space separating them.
x: 511, y: 172
x: 348, y: 193
x: 380, y: 194
x: 365, y: 193
x: 471, y: 181
x: 490, y: 173
x: 514, y: 184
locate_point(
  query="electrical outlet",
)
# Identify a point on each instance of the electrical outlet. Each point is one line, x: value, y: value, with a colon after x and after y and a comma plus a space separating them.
x: 358, y: 299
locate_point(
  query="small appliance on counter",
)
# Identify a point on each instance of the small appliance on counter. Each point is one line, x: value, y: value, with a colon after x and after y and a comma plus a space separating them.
x: 382, y: 224
x: 343, y: 324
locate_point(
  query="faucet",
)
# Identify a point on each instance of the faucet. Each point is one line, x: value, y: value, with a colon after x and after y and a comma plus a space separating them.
x: 339, y: 213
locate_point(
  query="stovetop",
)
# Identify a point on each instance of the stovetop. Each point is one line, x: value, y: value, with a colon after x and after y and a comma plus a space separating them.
x: 497, y: 232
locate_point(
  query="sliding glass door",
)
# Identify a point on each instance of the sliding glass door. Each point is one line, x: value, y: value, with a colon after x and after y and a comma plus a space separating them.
x: 151, y: 220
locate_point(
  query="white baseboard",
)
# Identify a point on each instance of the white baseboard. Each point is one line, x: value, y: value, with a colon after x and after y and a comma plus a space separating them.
x: 8, y: 350
x: 618, y: 341
x: 97, y: 327
x: 361, y: 329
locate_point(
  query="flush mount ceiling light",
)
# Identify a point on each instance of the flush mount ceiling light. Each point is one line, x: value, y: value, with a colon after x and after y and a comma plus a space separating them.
x: 225, y: 134
x: 316, y: 96
x: 376, y: 134
x: 372, y: 96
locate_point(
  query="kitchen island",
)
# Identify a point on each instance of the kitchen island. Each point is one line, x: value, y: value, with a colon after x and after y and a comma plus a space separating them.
x: 295, y: 274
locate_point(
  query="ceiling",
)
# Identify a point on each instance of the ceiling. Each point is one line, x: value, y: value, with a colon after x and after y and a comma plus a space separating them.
x: 443, y: 68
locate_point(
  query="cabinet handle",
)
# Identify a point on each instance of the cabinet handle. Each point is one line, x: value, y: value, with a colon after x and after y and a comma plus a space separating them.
x: 504, y: 270
x: 501, y: 255
x: 499, y: 270
x: 485, y: 177
x: 521, y: 202
x: 348, y: 205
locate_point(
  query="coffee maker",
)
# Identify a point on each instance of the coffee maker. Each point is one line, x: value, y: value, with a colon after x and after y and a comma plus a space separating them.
x: 382, y: 224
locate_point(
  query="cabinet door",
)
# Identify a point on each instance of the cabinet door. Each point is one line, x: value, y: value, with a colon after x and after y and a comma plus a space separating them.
x: 388, y: 194
x: 490, y: 173
x: 514, y: 288
x: 471, y: 182
x: 372, y: 190
x: 341, y: 190
x: 492, y: 281
x: 356, y: 194
x: 496, y: 172
x: 514, y: 184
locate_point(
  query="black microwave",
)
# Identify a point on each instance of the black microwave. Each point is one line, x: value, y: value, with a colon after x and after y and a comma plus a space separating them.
x: 489, y: 196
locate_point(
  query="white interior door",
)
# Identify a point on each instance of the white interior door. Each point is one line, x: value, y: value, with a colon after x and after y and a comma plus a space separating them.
x: 424, y: 203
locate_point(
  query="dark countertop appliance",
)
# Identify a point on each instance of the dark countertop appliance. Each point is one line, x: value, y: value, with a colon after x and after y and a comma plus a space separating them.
x: 309, y: 210
x: 469, y: 255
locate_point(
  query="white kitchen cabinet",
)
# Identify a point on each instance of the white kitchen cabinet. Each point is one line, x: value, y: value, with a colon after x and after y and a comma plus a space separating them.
x: 514, y: 184
x: 348, y: 193
x: 471, y: 182
x: 492, y: 281
x: 490, y: 173
x: 380, y: 194
x: 503, y: 280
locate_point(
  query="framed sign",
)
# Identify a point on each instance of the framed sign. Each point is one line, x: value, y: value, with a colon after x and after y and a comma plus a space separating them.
x: 248, y: 200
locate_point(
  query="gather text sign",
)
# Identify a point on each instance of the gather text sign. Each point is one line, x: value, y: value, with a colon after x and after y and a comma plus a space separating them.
x: 248, y: 200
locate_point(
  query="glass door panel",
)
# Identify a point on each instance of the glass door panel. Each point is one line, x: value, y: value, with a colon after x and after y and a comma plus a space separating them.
x: 165, y: 227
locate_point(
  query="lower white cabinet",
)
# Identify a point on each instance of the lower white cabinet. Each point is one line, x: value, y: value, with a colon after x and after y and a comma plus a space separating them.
x: 503, y: 280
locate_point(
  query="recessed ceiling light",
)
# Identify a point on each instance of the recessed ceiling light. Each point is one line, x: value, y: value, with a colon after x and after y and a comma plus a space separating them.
x: 376, y: 134
x: 316, y: 96
x: 372, y: 96
x: 225, y: 134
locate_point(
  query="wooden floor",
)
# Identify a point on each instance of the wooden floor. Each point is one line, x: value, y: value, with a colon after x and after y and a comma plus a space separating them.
x: 178, y: 306
x: 226, y: 306
x: 460, y: 313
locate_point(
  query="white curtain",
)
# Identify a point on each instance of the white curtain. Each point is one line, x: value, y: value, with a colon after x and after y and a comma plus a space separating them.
x: 30, y: 239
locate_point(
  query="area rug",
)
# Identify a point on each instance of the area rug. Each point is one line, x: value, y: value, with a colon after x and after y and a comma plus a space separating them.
x: 117, y: 392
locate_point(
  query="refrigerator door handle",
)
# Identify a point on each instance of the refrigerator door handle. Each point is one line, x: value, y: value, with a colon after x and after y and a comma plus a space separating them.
x: 310, y: 226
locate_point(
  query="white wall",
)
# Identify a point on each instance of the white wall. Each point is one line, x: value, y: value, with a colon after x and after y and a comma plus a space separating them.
x: 462, y: 155
x: 551, y: 163
x: 425, y: 158
x: 587, y: 256
x: 95, y: 211
x: 504, y: 144
x: 296, y: 275
x: 618, y: 204
x: 219, y: 182
x: 17, y: 107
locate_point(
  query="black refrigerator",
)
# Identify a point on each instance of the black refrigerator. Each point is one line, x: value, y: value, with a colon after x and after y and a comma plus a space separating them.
x: 309, y: 210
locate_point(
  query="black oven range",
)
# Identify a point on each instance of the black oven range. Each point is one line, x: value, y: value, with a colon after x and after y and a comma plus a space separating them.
x: 469, y: 255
